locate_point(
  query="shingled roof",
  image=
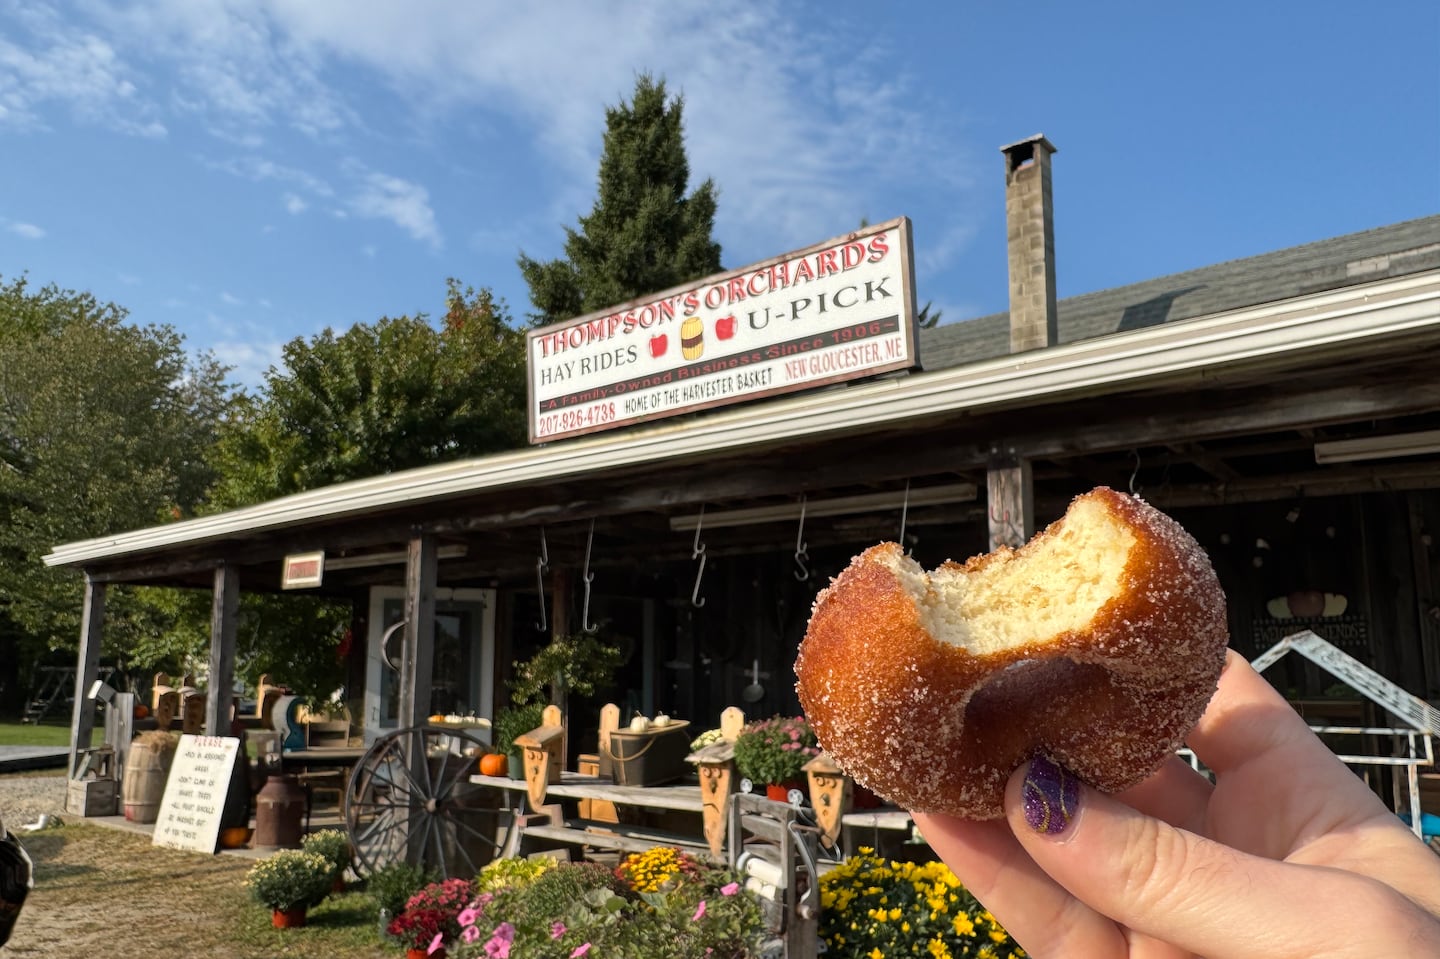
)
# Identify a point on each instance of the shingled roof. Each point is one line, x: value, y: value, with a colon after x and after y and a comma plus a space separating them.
x: 1381, y: 253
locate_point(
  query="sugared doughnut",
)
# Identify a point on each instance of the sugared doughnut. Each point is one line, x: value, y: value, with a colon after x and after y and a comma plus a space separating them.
x: 1098, y: 644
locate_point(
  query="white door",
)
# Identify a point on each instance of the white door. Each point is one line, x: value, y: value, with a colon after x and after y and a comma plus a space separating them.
x: 463, y: 672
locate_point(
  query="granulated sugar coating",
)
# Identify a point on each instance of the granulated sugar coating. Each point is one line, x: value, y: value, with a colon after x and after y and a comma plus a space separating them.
x: 1098, y: 643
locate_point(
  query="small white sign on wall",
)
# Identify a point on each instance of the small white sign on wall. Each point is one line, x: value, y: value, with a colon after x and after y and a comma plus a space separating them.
x: 303, y: 570
x: 195, y: 793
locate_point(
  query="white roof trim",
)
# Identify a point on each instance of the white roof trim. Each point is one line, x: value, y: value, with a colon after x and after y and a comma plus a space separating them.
x: 1365, y: 312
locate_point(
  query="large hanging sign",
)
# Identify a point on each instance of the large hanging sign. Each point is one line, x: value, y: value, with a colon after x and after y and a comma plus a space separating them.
x: 836, y: 311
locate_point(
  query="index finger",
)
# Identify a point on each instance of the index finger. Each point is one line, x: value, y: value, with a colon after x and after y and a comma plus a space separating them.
x: 1259, y: 746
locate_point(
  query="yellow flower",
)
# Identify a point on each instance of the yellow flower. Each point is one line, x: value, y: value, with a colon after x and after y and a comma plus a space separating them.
x: 963, y: 925
x: 876, y: 953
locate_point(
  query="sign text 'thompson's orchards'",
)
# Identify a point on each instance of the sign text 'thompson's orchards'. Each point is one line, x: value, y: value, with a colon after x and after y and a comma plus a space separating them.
x: 835, y: 311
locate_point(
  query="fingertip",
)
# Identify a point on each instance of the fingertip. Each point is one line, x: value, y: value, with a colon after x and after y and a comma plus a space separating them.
x: 1044, y: 798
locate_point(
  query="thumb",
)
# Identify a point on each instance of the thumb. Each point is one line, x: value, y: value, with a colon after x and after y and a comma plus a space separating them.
x: 1177, y: 886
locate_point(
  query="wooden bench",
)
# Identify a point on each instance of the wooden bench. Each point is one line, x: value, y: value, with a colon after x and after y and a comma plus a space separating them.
x: 582, y: 831
x: 619, y: 836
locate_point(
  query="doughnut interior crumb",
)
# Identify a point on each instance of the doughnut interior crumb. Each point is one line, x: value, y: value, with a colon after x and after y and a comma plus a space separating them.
x: 1053, y: 586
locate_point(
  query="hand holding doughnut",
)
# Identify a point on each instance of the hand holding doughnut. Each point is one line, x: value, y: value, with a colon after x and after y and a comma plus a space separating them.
x: 1097, y: 644
x: 1288, y: 854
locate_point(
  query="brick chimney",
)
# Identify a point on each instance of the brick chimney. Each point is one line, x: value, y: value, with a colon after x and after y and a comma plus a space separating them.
x: 1030, y: 228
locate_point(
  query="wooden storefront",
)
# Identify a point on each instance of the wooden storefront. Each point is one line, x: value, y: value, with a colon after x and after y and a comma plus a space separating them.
x: 1205, y: 392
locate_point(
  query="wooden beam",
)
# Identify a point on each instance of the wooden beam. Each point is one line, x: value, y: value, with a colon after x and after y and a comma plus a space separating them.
x: 1206, y: 460
x: 224, y: 612
x: 87, y: 670
x: 417, y: 658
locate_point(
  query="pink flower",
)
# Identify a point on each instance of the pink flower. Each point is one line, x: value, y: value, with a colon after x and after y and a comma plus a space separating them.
x: 557, y: 929
x: 579, y: 951
x: 436, y: 944
x: 699, y: 912
x: 499, y: 945
x: 468, y: 916
x: 470, y: 933
x: 730, y: 889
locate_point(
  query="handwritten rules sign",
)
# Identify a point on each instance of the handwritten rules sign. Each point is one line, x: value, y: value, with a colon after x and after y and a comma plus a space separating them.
x: 195, y: 793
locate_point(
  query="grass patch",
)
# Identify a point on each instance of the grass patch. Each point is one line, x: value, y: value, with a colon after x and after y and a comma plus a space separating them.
x: 43, y: 734
x: 101, y: 891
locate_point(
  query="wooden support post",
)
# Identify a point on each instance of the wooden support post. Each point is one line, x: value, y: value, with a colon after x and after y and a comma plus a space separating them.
x: 417, y: 658
x: 416, y: 665
x: 224, y: 613
x: 1011, y: 492
x: 87, y: 670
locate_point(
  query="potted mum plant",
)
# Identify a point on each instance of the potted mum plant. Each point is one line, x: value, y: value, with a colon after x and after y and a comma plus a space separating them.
x: 873, y: 906
x: 431, y: 919
x: 289, y: 882
x: 334, y: 845
x: 773, y: 752
x: 513, y: 721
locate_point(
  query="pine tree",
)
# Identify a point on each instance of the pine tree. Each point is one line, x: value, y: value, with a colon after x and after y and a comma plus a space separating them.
x: 643, y: 234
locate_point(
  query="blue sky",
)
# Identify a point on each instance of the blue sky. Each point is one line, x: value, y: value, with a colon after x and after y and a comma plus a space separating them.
x: 250, y: 171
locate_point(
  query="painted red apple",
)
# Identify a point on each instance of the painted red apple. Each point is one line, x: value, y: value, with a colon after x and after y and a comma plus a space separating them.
x: 658, y: 344
x: 725, y: 327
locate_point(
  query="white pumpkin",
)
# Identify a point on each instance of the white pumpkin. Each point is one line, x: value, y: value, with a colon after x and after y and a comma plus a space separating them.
x: 639, y: 724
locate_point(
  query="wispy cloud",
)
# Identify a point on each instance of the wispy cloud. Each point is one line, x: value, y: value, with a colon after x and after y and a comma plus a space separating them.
x: 803, y: 126
x: 294, y: 205
x: 385, y: 197
x: 45, y: 59
x: 28, y: 230
x: 260, y: 169
x: 249, y: 360
x: 230, y: 299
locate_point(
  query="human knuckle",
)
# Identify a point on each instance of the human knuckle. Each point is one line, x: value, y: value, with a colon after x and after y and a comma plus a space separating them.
x: 1158, y: 868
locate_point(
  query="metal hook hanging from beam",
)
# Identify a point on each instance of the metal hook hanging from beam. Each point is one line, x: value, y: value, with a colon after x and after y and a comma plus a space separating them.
x: 697, y: 551
x: 801, y: 554
x: 542, y: 566
x: 904, y: 512
x: 587, y: 577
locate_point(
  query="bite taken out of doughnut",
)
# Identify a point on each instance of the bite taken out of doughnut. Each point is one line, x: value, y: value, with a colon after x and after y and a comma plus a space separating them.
x: 1098, y: 644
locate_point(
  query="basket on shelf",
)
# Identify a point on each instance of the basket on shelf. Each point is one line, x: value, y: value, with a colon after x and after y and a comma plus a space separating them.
x: 649, y: 758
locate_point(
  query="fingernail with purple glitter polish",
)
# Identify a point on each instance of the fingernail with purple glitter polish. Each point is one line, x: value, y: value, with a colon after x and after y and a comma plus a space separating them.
x: 1051, y: 796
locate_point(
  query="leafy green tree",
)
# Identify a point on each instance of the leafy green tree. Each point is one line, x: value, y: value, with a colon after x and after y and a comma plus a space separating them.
x: 644, y: 233
x: 380, y: 397
x: 104, y: 426
x: 391, y: 395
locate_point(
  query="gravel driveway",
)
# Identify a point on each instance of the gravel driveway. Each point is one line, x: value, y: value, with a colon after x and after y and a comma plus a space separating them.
x: 24, y: 797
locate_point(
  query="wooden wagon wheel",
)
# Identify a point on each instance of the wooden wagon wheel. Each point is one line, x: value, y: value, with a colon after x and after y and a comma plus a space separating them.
x: 410, y: 799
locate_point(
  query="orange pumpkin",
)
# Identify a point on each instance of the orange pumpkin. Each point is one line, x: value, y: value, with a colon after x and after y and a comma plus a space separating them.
x: 494, y: 764
x: 141, y: 710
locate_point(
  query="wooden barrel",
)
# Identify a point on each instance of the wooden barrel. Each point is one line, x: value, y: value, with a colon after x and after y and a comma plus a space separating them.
x: 147, y: 766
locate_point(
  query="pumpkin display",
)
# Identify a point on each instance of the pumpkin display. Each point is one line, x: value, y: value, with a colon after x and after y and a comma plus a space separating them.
x: 494, y: 764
